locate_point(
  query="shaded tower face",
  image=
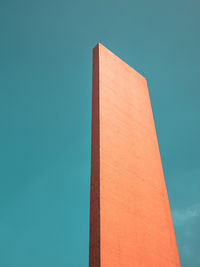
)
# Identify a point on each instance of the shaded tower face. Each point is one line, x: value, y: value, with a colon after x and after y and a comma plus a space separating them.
x: 130, y: 217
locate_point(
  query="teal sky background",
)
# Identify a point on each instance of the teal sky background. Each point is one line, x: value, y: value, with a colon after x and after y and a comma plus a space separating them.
x: 45, y: 118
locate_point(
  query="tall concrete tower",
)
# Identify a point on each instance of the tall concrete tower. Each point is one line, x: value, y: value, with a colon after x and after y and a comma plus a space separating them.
x: 130, y: 217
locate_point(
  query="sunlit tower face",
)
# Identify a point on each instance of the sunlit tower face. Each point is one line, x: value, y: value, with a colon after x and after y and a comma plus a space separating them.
x: 130, y: 217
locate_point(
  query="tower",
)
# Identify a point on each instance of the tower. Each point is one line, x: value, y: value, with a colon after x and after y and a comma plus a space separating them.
x: 130, y: 217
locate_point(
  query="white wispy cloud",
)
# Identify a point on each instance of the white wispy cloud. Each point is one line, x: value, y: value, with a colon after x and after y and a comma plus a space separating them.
x: 181, y: 216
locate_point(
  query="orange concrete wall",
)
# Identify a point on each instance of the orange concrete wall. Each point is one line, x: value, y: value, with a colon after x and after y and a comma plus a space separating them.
x: 130, y: 217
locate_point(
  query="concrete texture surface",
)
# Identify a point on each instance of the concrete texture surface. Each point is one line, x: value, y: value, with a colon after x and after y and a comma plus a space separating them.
x: 130, y: 217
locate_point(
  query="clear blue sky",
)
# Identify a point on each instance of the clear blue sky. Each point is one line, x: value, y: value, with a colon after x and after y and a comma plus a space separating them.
x: 45, y: 118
